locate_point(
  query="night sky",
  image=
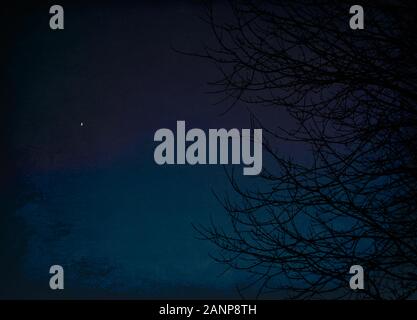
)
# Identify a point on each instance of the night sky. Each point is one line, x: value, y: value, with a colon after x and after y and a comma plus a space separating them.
x: 79, y: 110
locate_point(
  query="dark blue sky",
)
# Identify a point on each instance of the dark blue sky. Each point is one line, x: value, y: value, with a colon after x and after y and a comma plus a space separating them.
x: 91, y: 197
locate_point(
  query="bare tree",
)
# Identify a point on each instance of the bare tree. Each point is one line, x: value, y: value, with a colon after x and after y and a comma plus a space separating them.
x: 352, y: 99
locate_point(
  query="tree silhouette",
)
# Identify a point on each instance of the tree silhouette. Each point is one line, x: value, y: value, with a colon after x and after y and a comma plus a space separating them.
x: 352, y: 99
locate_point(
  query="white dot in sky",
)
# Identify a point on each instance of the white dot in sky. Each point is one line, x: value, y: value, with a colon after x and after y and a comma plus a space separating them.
x: 81, y: 124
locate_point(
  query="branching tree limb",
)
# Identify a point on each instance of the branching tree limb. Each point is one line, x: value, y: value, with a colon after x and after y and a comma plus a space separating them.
x: 352, y: 98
